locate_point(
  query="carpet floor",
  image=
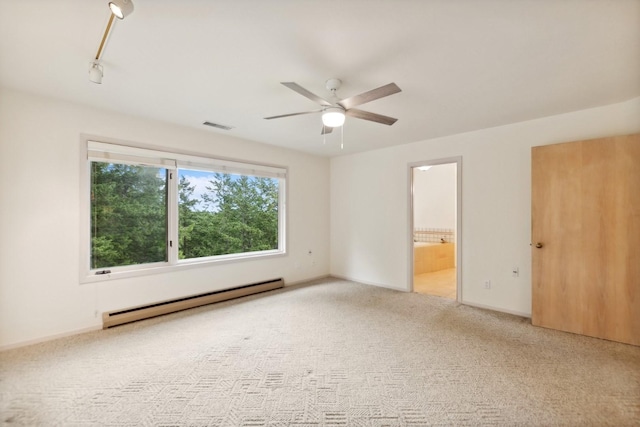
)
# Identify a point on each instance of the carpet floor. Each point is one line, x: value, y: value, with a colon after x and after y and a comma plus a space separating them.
x: 330, y: 353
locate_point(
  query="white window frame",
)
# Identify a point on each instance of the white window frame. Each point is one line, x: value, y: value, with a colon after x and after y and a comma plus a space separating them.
x: 94, y: 148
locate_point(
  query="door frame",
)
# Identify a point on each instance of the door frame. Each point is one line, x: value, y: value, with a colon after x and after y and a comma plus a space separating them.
x: 435, y: 162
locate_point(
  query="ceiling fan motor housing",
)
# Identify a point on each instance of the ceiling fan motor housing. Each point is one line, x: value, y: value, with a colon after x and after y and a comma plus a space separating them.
x: 333, y: 84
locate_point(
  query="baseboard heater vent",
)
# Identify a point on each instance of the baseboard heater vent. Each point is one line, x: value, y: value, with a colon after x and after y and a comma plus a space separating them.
x: 119, y: 317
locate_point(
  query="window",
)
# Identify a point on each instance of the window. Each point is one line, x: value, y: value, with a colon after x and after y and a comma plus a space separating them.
x: 150, y: 210
x: 128, y: 215
x: 226, y: 213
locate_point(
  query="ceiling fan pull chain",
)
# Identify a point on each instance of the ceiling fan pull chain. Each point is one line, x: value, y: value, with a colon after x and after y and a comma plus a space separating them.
x: 342, y: 137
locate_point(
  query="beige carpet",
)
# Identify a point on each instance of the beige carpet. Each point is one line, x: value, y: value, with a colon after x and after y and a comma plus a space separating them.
x: 330, y: 353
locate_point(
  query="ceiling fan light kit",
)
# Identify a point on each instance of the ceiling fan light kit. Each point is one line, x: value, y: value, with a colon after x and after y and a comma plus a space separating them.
x: 333, y: 117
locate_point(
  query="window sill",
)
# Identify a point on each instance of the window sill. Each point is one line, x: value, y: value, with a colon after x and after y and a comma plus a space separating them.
x: 159, y: 268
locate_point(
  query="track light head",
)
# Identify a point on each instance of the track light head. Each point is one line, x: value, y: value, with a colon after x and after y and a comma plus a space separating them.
x: 95, y: 72
x: 121, y: 8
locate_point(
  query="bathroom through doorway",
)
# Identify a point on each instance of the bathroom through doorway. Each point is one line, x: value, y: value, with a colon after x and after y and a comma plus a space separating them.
x: 435, y: 228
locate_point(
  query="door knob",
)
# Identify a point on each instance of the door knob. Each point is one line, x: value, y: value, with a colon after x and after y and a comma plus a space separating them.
x: 538, y: 245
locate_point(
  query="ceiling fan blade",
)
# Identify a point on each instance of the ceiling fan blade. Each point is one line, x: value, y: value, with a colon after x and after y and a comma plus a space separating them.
x: 292, y: 114
x: 372, y: 117
x: 302, y: 91
x: 369, y: 96
x: 326, y: 130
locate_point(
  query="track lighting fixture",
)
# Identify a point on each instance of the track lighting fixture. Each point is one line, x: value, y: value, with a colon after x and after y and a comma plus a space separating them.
x: 95, y: 72
x: 121, y: 8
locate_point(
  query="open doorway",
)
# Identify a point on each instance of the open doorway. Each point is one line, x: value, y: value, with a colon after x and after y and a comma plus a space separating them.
x: 435, y: 228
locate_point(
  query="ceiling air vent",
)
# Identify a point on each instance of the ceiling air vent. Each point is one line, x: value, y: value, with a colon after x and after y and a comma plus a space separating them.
x: 216, y: 125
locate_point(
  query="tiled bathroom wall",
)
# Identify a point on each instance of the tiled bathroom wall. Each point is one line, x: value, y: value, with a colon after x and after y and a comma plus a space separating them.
x: 434, y: 235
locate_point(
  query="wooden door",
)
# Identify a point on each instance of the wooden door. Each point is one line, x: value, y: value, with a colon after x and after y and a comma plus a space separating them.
x: 586, y: 219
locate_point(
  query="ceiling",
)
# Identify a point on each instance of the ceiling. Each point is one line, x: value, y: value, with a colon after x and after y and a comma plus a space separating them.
x: 462, y: 65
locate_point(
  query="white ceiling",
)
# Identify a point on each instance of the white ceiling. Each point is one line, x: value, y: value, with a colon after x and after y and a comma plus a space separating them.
x: 462, y: 65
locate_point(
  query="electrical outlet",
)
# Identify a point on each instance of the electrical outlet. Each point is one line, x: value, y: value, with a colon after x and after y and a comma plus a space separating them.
x: 487, y: 284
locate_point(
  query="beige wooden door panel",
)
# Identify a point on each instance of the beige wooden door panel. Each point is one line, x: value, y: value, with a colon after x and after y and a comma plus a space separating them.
x: 586, y: 215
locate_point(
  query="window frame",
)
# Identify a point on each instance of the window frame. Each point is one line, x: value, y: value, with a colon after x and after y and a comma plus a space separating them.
x: 94, y: 148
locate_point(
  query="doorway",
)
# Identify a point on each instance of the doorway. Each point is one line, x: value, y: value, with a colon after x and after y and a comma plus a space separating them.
x: 435, y: 231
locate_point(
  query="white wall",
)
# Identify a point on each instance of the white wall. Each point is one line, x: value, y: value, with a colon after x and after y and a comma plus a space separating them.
x: 434, y: 197
x: 40, y: 294
x: 369, y: 203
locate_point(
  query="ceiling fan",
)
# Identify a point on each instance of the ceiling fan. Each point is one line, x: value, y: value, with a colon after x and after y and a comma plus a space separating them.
x: 335, y: 109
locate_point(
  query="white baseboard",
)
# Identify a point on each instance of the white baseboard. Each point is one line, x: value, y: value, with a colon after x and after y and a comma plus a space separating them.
x: 364, y: 282
x: 49, y: 338
x: 501, y: 310
x: 302, y: 282
x: 471, y: 304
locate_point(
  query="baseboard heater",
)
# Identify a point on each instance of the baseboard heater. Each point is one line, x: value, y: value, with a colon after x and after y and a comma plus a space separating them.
x: 127, y: 315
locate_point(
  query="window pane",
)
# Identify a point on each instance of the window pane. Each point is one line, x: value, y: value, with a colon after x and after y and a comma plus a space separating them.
x: 128, y: 215
x: 222, y: 214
